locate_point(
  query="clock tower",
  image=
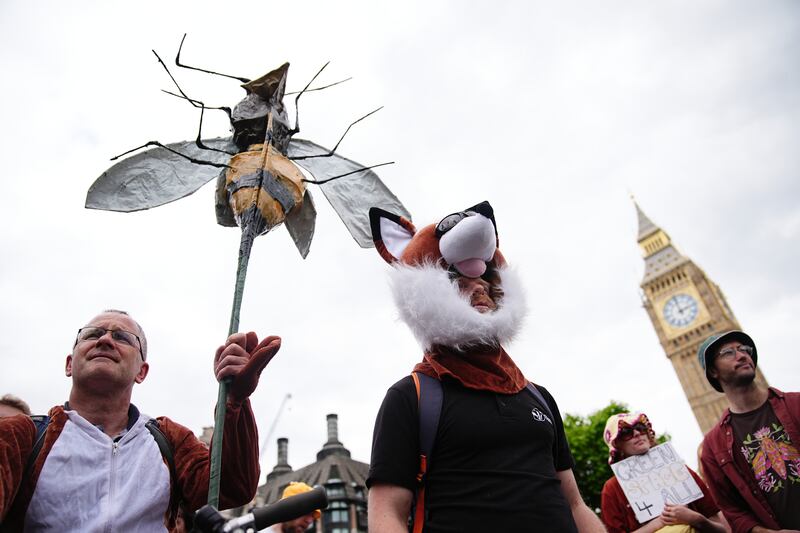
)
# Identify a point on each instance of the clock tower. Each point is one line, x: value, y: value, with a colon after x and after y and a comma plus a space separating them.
x: 685, y: 307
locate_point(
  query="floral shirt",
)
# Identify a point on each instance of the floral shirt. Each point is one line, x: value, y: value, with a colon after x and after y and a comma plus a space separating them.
x: 766, y: 449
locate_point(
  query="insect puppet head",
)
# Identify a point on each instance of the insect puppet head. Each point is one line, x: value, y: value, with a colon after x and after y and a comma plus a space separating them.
x: 249, y: 117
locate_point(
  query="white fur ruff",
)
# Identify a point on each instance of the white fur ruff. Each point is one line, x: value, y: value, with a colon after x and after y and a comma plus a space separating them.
x: 438, y: 314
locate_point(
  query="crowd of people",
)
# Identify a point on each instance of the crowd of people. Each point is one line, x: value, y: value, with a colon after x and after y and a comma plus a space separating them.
x: 464, y: 443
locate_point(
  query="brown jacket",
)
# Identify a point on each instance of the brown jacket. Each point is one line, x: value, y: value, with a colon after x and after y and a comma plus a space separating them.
x: 240, y: 467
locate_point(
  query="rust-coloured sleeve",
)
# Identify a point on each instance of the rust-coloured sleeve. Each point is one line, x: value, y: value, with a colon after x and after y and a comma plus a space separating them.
x: 726, y: 495
x: 614, y: 508
x: 17, y: 437
x: 240, y: 468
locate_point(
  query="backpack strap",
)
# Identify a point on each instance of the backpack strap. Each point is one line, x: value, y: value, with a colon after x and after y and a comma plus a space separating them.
x: 166, y: 451
x: 41, y: 422
x: 429, y: 402
x: 540, y: 398
x: 548, y: 415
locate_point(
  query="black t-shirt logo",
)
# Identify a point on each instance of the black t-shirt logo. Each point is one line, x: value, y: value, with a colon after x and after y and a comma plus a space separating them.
x: 540, y: 416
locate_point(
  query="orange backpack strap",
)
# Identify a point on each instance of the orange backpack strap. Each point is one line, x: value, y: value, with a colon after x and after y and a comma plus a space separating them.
x: 429, y: 403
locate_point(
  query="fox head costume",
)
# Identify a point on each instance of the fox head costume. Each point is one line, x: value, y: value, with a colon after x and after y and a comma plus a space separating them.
x: 427, y: 264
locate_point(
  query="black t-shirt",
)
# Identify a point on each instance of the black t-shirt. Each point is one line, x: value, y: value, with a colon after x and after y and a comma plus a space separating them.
x: 773, y: 458
x: 494, y: 461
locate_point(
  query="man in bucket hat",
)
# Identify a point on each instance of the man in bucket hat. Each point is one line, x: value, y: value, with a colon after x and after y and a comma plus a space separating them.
x: 750, y: 458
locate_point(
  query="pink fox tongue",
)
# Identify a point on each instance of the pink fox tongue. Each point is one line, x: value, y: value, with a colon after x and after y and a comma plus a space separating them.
x: 471, y: 268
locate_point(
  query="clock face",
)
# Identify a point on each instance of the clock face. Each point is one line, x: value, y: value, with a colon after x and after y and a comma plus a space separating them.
x: 680, y: 310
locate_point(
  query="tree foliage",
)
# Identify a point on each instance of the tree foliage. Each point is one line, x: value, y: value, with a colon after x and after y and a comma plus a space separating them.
x: 585, y: 436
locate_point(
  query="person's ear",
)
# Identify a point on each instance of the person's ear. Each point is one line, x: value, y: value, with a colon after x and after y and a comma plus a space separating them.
x: 68, y: 366
x: 143, y: 370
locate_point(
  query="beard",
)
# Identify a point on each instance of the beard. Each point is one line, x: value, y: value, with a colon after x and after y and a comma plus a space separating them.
x: 431, y: 304
x: 742, y: 380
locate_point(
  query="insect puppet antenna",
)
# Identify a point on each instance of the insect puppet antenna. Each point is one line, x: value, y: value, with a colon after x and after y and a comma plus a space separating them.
x: 199, y: 140
x: 333, y: 150
x: 198, y: 103
x: 320, y: 88
x: 320, y: 182
x: 183, y: 95
x: 297, y: 99
x: 203, y: 107
x: 167, y: 148
x: 178, y: 62
x: 195, y: 103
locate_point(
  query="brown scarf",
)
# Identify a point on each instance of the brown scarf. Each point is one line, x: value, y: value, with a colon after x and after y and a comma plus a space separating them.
x: 483, y: 368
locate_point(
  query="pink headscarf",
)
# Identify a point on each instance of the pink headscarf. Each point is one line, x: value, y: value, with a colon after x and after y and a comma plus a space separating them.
x: 615, y: 424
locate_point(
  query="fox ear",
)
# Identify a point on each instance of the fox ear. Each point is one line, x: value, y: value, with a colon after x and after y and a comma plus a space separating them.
x: 391, y: 233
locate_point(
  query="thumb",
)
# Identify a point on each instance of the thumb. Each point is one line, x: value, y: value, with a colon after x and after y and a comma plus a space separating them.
x: 267, y: 348
x: 263, y: 353
x: 245, y: 382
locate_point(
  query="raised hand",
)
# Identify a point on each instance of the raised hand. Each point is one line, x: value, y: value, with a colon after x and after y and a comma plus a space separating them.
x: 242, y: 358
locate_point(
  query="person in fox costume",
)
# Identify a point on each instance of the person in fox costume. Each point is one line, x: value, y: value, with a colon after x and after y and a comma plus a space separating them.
x: 500, y: 460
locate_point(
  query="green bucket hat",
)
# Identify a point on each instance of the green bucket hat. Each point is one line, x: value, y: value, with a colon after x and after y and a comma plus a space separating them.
x: 707, y: 351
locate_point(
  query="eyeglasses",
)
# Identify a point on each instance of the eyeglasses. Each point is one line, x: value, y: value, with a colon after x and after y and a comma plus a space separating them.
x: 626, y: 433
x: 727, y: 353
x: 93, y: 333
x: 450, y: 221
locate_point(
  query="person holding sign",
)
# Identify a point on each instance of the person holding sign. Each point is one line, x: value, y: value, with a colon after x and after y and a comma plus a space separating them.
x: 660, y: 474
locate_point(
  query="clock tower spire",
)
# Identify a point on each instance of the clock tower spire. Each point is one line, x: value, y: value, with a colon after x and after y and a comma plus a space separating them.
x: 685, y: 307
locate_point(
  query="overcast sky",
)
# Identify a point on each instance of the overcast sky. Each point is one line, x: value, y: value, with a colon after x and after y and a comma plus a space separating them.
x: 555, y: 112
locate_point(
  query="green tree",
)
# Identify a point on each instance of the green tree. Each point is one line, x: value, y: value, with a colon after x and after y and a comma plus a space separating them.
x: 585, y: 436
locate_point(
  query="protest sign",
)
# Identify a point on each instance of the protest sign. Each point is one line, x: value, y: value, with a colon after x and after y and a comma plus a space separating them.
x: 654, y: 478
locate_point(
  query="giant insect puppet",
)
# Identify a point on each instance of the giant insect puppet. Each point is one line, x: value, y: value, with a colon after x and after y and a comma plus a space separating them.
x: 259, y: 185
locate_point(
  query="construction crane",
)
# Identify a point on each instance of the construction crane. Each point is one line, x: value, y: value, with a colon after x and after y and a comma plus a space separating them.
x: 265, y: 442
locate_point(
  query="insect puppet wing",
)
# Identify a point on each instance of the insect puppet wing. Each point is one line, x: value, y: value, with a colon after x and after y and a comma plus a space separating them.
x: 157, y: 176
x: 300, y: 224
x: 348, y: 195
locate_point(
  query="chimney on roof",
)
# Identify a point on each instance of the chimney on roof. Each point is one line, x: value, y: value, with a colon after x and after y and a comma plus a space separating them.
x: 282, y: 466
x: 333, y: 446
x: 333, y: 429
x: 283, y: 451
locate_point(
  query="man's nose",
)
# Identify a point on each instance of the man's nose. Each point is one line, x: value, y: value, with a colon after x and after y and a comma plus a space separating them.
x: 106, y: 338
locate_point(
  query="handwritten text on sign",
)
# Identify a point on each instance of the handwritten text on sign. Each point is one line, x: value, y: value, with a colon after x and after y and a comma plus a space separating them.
x: 656, y: 477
